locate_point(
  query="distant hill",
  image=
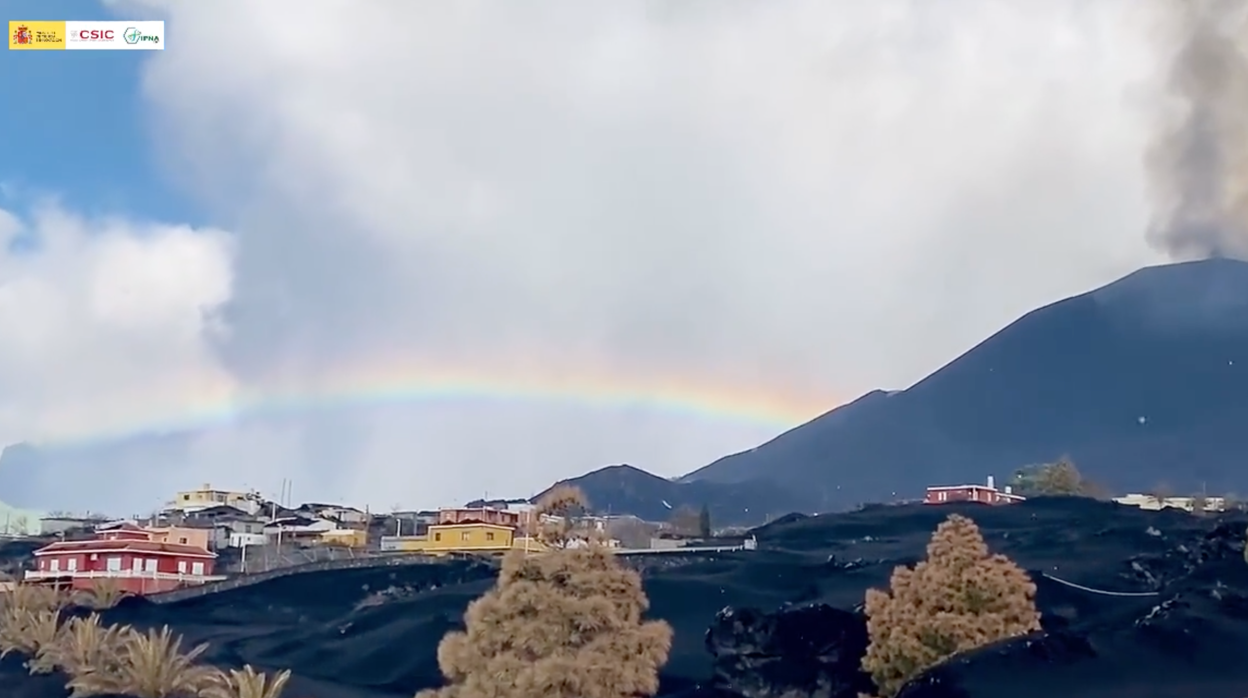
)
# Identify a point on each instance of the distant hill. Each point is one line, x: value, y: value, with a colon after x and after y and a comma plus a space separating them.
x: 1143, y: 381
x: 623, y: 489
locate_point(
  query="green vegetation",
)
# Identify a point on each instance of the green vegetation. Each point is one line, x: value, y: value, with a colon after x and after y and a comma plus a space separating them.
x: 959, y: 598
x: 1060, y: 477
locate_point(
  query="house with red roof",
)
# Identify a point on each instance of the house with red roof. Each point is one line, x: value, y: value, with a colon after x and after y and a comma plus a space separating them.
x: 136, y: 560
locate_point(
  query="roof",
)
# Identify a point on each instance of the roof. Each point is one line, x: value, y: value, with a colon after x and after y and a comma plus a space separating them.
x: 986, y: 488
x: 120, y: 526
x: 133, y: 546
x: 471, y: 524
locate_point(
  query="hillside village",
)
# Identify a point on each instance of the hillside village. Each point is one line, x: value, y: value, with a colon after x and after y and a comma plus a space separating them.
x: 208, y: 534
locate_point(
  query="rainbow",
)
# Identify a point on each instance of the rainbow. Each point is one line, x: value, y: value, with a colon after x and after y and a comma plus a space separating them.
x: 218, y: 404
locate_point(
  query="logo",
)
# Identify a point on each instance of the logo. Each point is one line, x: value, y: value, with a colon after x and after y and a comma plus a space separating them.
x: 36, y: 35
x: 133, y: 35
x: 95, y: 35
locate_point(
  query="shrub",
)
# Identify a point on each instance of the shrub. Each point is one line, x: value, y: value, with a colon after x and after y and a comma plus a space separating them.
x: 958, y: 599
x: 150, y: 665
x: 83, y: 645
x: 29, y: 632
x: 562, y: 624
x: 247, y: 683
x: 103, y: 594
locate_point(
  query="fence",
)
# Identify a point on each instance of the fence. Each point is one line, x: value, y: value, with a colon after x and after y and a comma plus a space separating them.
x: 266, y: 558
x: 360, y: 561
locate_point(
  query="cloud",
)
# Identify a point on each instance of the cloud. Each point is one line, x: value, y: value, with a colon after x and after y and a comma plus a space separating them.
x: 794, y: 200
x: 105, y: 325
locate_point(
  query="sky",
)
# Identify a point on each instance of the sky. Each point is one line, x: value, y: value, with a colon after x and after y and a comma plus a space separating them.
x: 408, y: 254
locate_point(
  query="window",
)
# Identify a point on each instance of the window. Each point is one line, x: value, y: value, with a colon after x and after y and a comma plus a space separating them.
x: 112, y: 564
x: 489, y: 535
x: 186, y: 497
x: 94, y: 556
x: 437, y: 536
x: 149, y: 565
x: 464, y: 536
x: 137, y: 564
x: 197, y: 568
x: 72, y: 564
x: 181, y: 566
x: 55, y: 565
x: 182, y: 540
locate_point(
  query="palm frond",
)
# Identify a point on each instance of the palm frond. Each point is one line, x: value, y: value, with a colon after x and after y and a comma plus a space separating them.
x: 247, y: 683
x: 150, y: 665
x: 83, y: 643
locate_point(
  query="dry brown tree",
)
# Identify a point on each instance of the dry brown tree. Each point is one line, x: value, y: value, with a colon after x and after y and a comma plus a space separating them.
x: 555, y: 514
x: 959, y: 598
x: 247, y: 683
x: 150, y: 665
x: 562, y: 624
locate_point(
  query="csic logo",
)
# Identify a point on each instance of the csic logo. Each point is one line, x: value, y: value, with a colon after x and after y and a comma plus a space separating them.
x: 96, y: 35
x: 23, y: 36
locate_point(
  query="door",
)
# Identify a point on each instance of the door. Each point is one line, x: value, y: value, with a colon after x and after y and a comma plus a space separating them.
x: 149, y: 565
x: 54, y: 565
x: 137, y: 564
x: 72, y: 564
x: 181, y: 566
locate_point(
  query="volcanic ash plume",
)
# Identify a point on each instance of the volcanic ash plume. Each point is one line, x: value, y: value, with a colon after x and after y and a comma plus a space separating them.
x: 1198, y: 163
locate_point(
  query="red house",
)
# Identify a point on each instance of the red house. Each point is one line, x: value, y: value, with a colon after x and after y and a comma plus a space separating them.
x: 127, y: 554
x: 988, y: 494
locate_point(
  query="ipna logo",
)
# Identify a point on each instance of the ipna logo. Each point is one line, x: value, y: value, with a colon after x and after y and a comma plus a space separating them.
x: 132, y: 35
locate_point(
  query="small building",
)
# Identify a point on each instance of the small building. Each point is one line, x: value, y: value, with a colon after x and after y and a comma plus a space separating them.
x: 476, y: 537
x: 346, y: 515
x: 986, y: 494
x: 1157, y: 502
x: 489, y: 515
x: 345, y: 537
x: 298, y: 529
x: 66, y: 525
x: 182, y: 535
x: 206, y: 496
x: 125, y: 553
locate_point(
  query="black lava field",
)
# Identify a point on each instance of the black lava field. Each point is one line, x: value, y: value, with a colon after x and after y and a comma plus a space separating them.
x: 1134, y: 603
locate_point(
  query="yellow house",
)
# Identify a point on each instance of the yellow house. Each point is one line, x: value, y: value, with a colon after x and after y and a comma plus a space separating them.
x: 461, y: 538
x: 206, y: 496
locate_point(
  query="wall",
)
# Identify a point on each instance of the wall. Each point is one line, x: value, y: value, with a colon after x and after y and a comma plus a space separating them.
x: 198, y: 537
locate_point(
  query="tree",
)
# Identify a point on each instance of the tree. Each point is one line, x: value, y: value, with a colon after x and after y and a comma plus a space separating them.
x: 555, y: 516
x: 704, y: 522
x: 562, y: 624
x: 1060, y: 478
x: 959, y: 598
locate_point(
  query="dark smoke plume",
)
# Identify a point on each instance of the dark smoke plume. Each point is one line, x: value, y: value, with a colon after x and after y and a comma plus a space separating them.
x: 1198, y: 163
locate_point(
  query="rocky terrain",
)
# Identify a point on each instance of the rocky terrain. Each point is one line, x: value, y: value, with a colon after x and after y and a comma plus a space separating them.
x: 1134, y: 603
